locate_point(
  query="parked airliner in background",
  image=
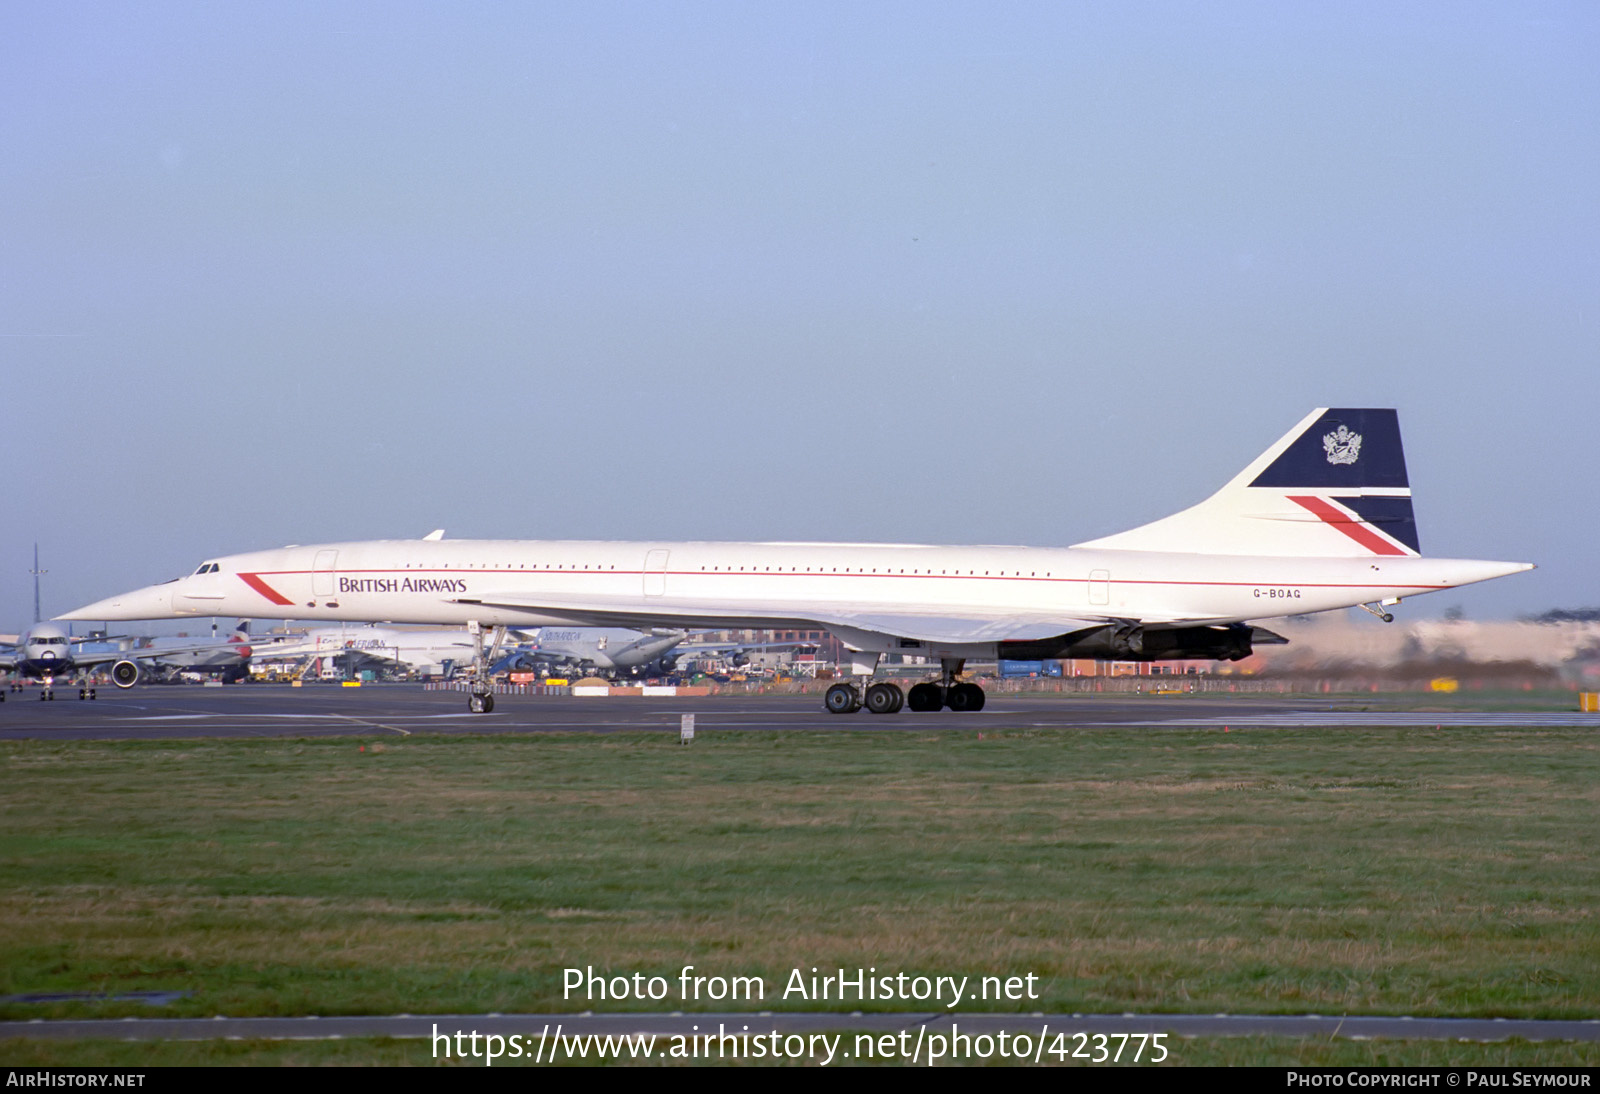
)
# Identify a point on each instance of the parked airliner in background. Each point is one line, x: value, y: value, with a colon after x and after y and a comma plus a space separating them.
x: 435, y: 652
x: 168, y: 658
x: 45, y: 652
x: 616, y: 652
x: 1322, y: 519
x: 606, y: 651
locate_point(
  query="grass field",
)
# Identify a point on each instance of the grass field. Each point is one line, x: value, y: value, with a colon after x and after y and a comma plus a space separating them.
x: 1281, y: 871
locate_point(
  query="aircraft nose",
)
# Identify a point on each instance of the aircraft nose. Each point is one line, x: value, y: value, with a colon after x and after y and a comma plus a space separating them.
x: 151, y: 602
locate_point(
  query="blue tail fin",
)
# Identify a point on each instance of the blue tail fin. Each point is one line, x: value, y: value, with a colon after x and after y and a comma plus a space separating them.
x: 1342, y: 450
x: 1334, y: 485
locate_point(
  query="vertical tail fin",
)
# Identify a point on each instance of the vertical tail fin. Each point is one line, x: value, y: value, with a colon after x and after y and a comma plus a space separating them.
x: 1333, y: 486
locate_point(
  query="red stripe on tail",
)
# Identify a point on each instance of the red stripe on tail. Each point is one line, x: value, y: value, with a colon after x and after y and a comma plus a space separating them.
x: 1357, y: 531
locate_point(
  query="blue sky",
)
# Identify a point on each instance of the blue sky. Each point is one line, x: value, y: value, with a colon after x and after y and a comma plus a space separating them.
x: 958, y: 273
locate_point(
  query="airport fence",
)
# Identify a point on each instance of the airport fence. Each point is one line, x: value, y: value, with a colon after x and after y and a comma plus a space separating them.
x: 500, y: 689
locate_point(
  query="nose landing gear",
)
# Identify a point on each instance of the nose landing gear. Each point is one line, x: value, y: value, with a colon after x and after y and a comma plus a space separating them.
x: 480, y: 696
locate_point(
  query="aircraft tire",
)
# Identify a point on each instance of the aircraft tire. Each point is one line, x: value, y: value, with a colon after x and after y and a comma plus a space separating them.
x: 884, y: 698
x: 925, y: 697
x: 842, y: 699
x: 965, y: 697
x: 480, y: 704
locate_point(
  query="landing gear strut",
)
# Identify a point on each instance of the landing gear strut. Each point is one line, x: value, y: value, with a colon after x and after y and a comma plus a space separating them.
x: 480, y: 695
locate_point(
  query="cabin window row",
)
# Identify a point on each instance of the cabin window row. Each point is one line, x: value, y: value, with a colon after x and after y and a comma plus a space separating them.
x: 885, y: 571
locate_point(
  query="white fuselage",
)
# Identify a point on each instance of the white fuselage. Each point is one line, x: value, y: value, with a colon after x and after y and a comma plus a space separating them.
x: 461, y: 581
x: 45, y: 652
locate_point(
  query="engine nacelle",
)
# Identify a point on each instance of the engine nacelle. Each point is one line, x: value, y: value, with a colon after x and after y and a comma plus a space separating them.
x: 125, y: 674
x: 1132, y: 642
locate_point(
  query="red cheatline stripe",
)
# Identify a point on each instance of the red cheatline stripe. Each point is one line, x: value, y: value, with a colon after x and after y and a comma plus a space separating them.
x: 264, y: 589
x: 1239, y: 584
x: 1354, y: 529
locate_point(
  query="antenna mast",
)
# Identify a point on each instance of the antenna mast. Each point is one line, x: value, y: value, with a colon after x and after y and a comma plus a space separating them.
x: 36, y: 572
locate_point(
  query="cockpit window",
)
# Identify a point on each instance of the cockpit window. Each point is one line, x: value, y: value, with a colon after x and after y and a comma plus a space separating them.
x: 206, y: 568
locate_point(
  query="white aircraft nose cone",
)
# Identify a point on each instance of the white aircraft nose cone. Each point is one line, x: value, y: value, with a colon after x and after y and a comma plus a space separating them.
x: 151, y: 602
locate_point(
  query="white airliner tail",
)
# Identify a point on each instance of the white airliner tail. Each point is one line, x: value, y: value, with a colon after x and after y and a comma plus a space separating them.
x: 1334, y: 486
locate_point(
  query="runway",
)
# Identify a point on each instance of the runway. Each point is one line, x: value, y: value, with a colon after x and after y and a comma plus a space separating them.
x: 264, y: 710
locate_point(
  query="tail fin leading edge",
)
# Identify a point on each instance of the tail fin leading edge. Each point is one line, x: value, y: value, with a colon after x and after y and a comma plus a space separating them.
x: 1333, y: 486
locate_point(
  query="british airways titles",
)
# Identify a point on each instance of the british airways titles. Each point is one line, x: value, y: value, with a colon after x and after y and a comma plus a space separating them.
x: 402, y: 585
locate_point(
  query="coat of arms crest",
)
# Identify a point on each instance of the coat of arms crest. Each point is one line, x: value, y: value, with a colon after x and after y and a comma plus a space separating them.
x: 1342, y: 445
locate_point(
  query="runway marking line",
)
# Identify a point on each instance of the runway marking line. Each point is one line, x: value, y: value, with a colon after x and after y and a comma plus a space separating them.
x: 376, y: 725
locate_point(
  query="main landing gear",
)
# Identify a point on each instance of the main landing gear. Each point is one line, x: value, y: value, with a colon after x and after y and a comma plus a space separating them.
x: 887, y: 698
x: 884, y: 698
x: 954, y: 696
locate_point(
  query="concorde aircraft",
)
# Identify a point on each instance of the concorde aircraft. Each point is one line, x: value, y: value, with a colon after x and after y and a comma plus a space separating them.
x: 1320, y: 520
